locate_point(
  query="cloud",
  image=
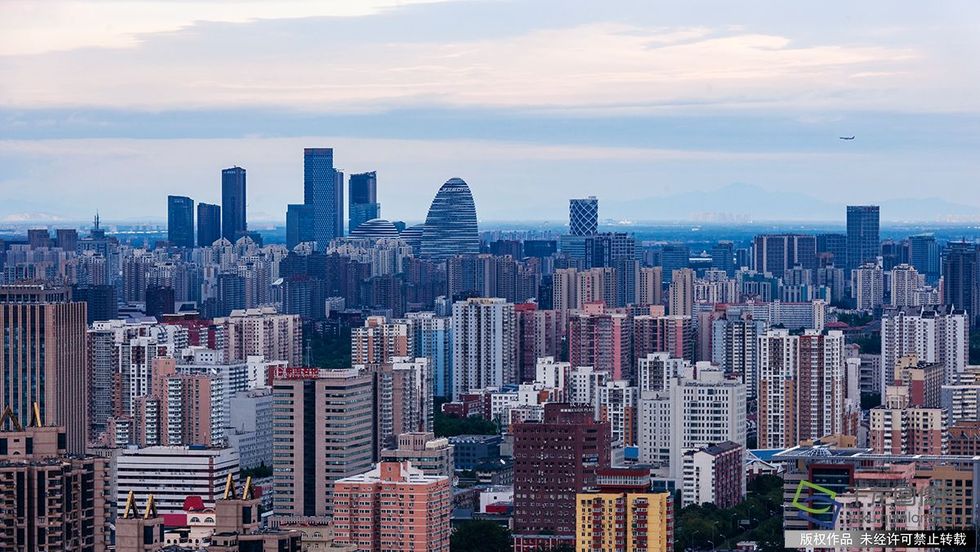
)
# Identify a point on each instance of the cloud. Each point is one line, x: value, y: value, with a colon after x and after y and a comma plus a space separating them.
x: 28, y: 27
x: 595, y: 65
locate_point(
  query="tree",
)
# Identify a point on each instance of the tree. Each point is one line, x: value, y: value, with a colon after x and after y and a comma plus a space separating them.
x: 480, y: 536
x: 705, y: 526
x: 445, y: 425
x: 975, y: 347
x: 328, y: 351
x: 257, y: 472
x: 450, y: 426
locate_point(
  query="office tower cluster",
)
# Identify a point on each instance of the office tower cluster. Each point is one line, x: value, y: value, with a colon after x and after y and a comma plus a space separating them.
x: 374, y: 386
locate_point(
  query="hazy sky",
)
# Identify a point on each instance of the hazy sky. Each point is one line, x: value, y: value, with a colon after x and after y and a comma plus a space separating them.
x: 113, y: 105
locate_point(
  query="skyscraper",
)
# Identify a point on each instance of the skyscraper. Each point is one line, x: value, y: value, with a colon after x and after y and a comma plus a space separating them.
x: 960, y: 277
x: 924, y: 256
x: 832, y: 249
x: 208, y: 224
x: 583, y: 216
x: 451, y: 227
x: 44, y: 358
x: 180, y: 221
x: 433, y: 340
x: 821, y: 385
x: 674, y: 256
x: 484, y: 331
x: 299, y: 224
x: 553, y: 460
x: 723, y: 257
x: 363, y: 192
x: 323, y: 431
x: 863, y: 241
x: 777, y: 253
x: 779, y: 367
x: 323, y: 191
x: 233, y: 224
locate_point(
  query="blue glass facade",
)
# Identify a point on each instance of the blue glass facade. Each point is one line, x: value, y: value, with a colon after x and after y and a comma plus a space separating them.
x: 451, y: 227
x: 208, y: 224
x: 863, y: 241
x: 323, y: 192
x: 233, y: 224
x: 299, y: 224
x: 180, y: 221
x: 363, y: 197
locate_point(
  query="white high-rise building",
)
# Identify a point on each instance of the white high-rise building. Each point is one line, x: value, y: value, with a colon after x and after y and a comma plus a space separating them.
x: 126, y: 348
x: 868, y: 286
x: 905, y: 280
x: 962, y: 400
x: 653, y: 372
x: 700, y: 407
x: 582, y: 384
x: 263, y: 331
x: 734, y: 348
x: 822, y: 385
x: 552, y: 374
x: 564, y: 292
x: 934, y: 335
x: 779, y: 364
x: 484, y: 331
x: 594, y: 285
x: 616, y: 403
x: 433, y: 340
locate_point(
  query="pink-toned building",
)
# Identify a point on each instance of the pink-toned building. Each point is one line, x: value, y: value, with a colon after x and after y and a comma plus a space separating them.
x: 394, y: 507
x: 538, y: 336
x: 663, y: 334
x: 601, y: 340
x: 378, y: 341
x: 885, y: 498
x: 897, y: 428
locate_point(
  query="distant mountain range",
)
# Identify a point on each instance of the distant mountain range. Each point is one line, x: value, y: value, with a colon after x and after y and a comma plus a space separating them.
x: 740, y: 202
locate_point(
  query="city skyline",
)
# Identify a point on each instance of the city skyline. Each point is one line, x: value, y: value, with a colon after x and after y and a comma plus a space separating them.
x: 696, y: 101
x: 489, y: 276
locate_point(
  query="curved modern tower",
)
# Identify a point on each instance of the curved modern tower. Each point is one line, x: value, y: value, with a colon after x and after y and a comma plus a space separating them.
x: 450, y: 227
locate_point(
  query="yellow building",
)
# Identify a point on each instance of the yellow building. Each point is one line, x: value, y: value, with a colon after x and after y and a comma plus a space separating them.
x: 624, y: 521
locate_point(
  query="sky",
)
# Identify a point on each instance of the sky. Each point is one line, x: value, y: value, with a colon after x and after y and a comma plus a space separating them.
x: 695, y: 110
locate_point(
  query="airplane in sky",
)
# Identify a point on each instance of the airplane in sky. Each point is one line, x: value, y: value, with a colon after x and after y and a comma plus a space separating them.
x: 846, y: 137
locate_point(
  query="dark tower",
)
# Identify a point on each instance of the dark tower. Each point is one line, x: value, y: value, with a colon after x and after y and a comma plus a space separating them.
x: 233, y: 224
